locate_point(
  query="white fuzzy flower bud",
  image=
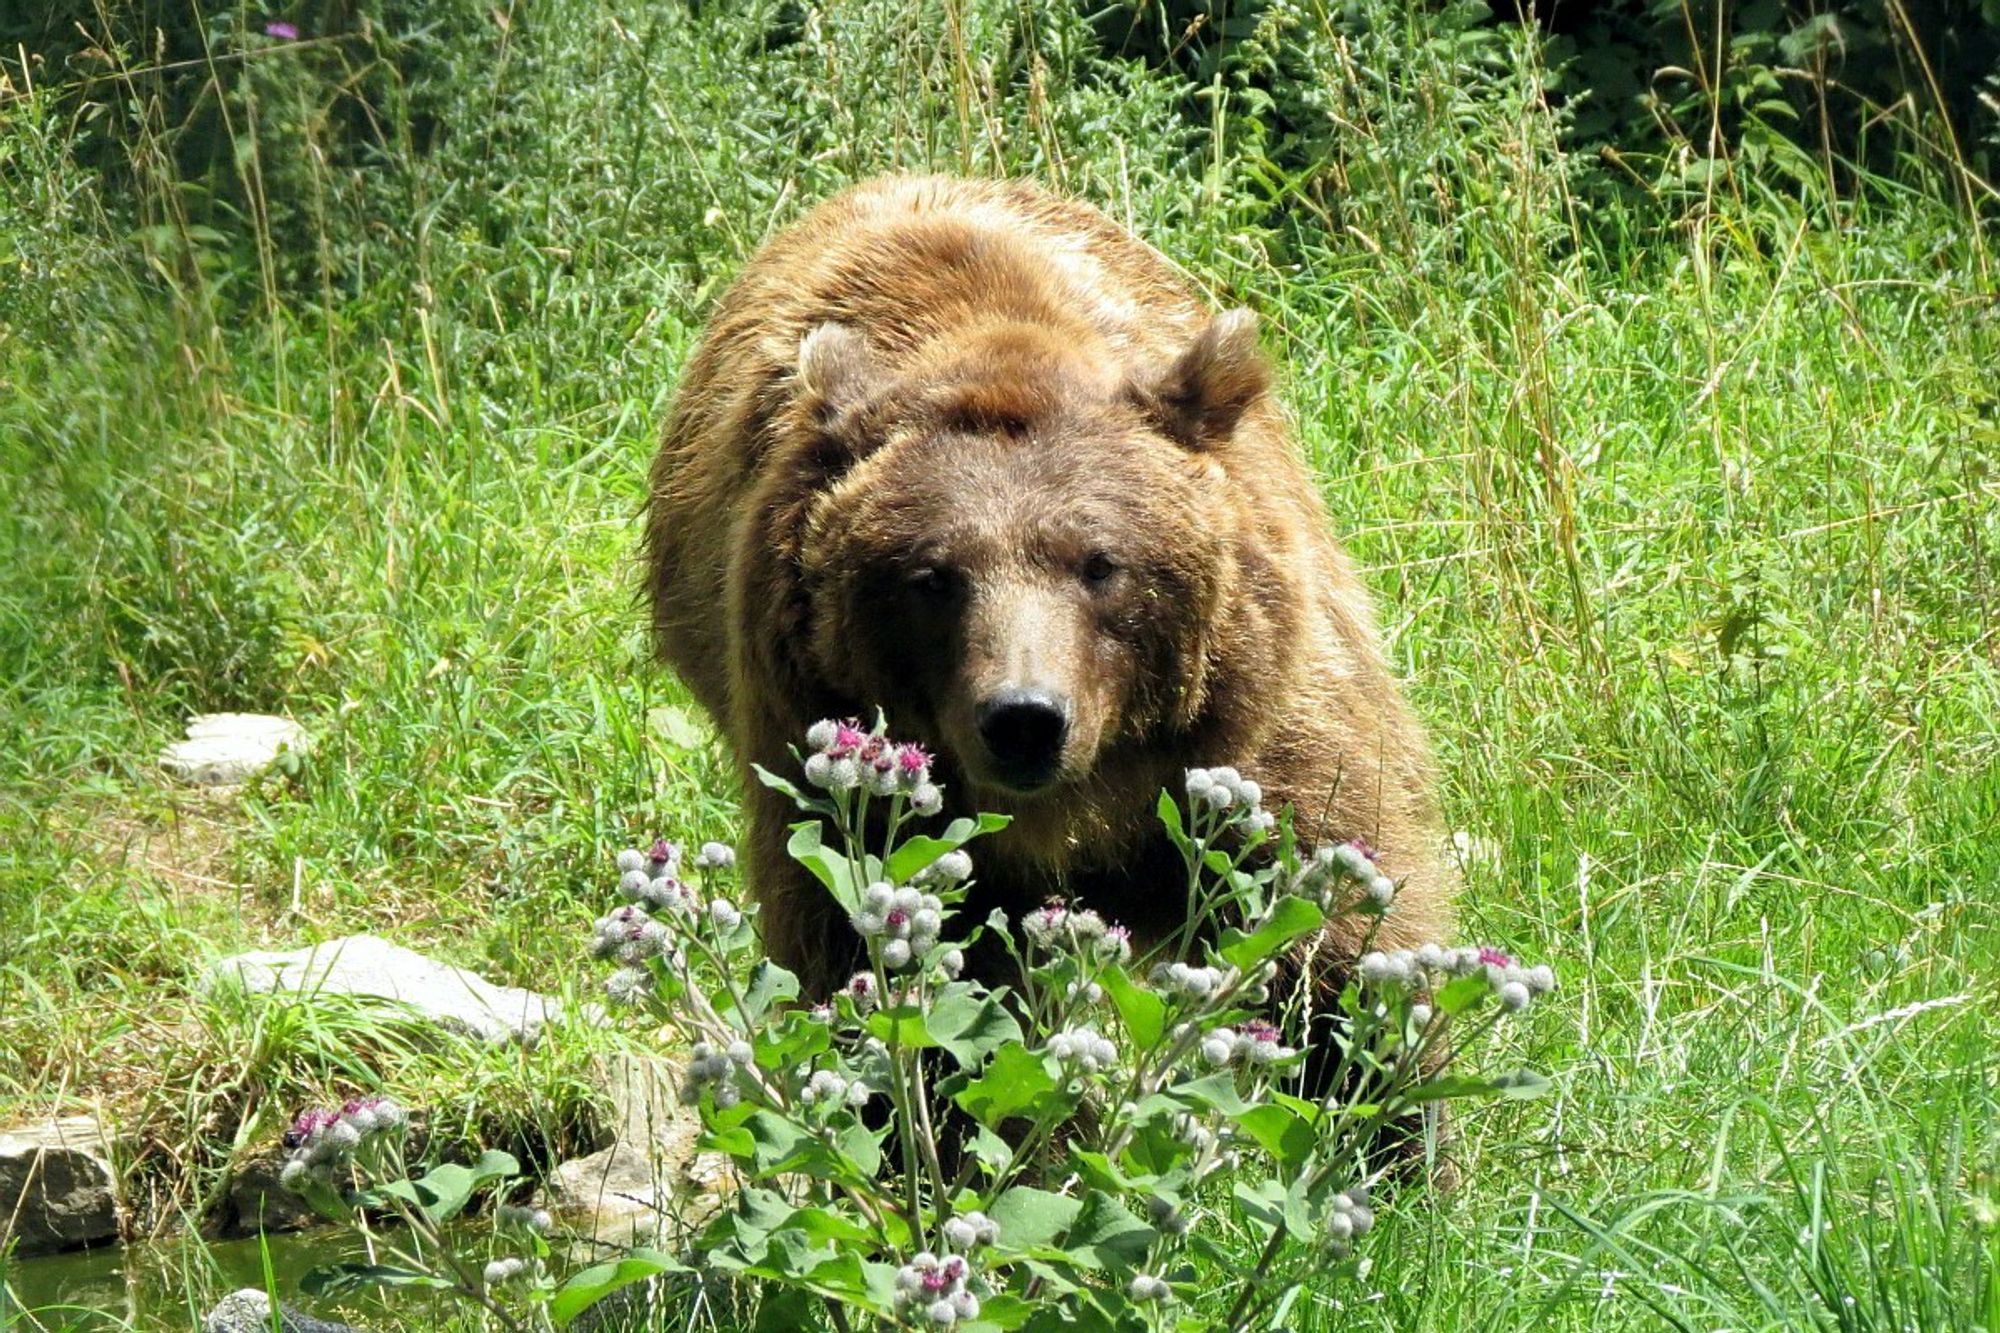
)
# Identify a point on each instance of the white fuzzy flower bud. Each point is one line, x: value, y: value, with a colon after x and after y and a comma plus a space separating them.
x: 1219, y: 1046
x: 1146, y: 1289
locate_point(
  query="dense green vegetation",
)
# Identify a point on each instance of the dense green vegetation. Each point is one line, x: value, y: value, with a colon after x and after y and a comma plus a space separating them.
x: 330, y: 368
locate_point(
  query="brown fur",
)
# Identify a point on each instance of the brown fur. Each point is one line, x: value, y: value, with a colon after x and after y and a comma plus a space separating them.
x: 913, y: 420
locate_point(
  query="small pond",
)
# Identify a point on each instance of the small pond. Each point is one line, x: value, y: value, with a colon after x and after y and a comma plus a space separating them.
x: 170, y: 1284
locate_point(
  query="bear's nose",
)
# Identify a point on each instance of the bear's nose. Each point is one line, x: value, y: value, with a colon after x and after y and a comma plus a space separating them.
x: 1024, y: 731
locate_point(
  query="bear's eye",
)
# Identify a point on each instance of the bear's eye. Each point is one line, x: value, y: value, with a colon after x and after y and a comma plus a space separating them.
x: 1099, y: 569
x: 932, y: 581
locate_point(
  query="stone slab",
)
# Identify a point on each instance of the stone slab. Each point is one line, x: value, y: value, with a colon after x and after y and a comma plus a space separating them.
x: 371, y: 968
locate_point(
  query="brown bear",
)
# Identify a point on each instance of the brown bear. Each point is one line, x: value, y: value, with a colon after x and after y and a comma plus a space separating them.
x: 970, y: 453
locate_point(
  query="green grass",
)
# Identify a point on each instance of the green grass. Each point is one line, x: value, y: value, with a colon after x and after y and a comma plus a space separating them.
x: 1682, y: 507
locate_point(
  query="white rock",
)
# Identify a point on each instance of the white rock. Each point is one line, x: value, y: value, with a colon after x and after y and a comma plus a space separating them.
x: 249, y: 1311
x: 57, y: 1184
x: 372, y: 968
x: 222, y: 749
x: 652, y: 1184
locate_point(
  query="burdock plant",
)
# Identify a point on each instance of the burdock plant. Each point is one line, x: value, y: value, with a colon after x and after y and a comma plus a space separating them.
x: 1086, y: 1146
x: 1074, y: 1145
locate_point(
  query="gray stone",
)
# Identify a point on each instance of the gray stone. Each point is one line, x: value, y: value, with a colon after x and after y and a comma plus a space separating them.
x: 57, y: 1185
x: 249, y: 1311
x: 222, y: 749
x: 652, y: 1185
x: 370, y: 968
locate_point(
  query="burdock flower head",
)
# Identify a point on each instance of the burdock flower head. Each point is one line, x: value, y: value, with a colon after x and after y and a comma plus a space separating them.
x: 844, y: 757
x: 1348, y: 1219
x: 1083, y: 1049
x: 934, y: 1289
x: 1226, y: 789
x: 322, y: 1139
x: 906, y: 921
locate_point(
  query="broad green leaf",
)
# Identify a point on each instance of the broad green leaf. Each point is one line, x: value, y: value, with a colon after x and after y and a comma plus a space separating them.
x: 593, y: 1284
x: 808, y: 847
x: 904, y: 1025
x: 1030, y: 1217
x: 1217, y: 1092
x: 1290, y: 919
x: 769, y: 984
x: 1100, y: 1172
x: 1279, y: 1132
x: 1143, y: 1012
x: 1017, y: 1084
x: 445, y: 1190
x: 918, y: 853
x: 785, y: 1310
x: 1105, y: 1235
x: 1462, y: 993
x: 972, y: 1023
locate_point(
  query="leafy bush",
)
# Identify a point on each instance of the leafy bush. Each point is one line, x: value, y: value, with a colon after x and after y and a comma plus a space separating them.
x: 927, y: 1149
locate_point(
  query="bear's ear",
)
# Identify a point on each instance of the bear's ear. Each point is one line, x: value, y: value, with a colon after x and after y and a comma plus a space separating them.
x: 836, y: 375
x: 1200, y: 397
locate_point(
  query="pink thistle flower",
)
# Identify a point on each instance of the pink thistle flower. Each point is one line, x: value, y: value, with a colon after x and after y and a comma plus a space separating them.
x: 848, y: 738
x: 284, y: 32
x: 1494, y: 958
x: 1362, y: 845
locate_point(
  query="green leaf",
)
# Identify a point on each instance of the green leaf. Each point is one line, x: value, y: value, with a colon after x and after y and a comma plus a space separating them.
x: 1143, y: 1012
x: 1461, y: 993
x: 769, y: 984
x: 445, y: 1190
x: 1280, y: 1132
x: 1290, y: 919
x: 971, y: 1022
x: 1522, y: 1084
x: 1105, y: 1235
x: 345, y: 1279
x: 593, y: 1284
x: 1030, y: 1217
x: 904, y: 1025
x: 808, y: 847
x: 1450, y: 1085
x: 1169, y: 811
x: 1017, y: 1084
x: 1217, y: 1092
x: 785, y: 1310
x: 918, y: 853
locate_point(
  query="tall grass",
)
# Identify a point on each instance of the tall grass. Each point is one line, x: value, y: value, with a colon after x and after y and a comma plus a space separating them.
x: 330, y: 376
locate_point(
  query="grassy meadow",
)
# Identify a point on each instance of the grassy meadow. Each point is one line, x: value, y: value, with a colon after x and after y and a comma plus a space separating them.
x: 1677, y: 477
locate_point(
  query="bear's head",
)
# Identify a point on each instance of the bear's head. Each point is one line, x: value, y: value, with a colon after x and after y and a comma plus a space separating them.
x: 1019, y: 550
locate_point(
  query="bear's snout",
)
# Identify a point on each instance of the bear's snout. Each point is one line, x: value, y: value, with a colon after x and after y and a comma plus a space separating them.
x: 1024, y: 732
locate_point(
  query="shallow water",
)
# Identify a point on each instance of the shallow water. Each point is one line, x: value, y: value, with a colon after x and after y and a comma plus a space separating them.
x: 171, y: 1284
